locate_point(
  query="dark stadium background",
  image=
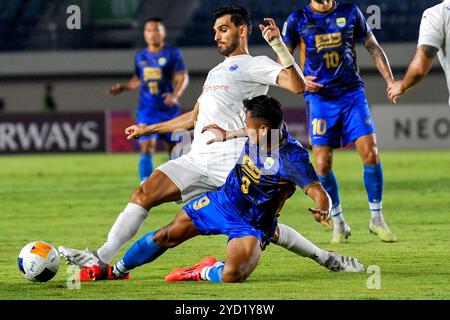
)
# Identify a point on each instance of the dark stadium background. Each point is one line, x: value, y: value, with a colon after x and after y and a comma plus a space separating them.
x: 37, y: 49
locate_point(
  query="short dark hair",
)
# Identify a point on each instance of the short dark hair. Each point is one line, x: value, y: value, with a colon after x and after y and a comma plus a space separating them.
x: 239, y: 16
x: 154, y: 19
x: 265, y: 107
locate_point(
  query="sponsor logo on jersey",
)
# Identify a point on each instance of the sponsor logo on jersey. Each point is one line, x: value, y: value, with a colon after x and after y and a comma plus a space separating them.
x: 341, y: 22
x: 234, y: 67
x: 152, y: 74
x: 251, y: 169
x: 327, y: 41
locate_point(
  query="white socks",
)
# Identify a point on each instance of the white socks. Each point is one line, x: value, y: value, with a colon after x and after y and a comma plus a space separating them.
x: 337, y: 214
x: 126, y: 226
x: 375, y: 211
x: 293, y: 241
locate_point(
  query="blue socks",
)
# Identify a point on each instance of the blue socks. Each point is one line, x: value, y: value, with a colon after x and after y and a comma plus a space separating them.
x: 214, y: 273
x: 143, y: 251
x: 145, y: 166
x: 331, y: 187
x: 373, y: 181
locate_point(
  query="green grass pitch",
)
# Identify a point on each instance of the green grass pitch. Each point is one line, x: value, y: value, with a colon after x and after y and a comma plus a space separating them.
x: 74, y: 200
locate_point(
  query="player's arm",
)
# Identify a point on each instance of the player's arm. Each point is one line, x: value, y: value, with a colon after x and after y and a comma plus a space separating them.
x: 132, y: 84
x: 379, y: 57
x: 321, y: 212
x: 291, y: 78
x: 180, y: 82
x: 417, y: 70
x: 221, y: 134
x: 186, y: 121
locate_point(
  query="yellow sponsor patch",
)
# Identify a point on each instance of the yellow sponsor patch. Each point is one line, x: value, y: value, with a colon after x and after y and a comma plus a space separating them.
x: 41, y: 249
x: 327, y: 41
x: 152, y: 74
x: 251, y: 169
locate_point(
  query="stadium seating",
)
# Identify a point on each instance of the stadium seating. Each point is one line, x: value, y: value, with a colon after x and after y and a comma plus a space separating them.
x: 19, y: 17
x: 393, y: 13
x: 16, y: 21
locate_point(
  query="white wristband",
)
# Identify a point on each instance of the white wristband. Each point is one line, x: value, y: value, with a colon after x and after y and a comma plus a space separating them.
x: 286, y: 58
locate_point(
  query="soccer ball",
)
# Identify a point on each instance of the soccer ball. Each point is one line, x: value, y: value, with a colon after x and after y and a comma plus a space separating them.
x: 38, y: 261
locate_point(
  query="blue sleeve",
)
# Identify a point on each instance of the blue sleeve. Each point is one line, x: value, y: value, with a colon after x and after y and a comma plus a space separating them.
x: 137, y: 70
x: 178, y: 61
x: 289, y: 33
x: 362, y: 29
x: 297, y: 168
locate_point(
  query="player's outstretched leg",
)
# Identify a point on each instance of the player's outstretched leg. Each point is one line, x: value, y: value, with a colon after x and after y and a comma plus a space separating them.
x: 242, y: 258
x: 295, y: 242
x: 155, y: 243
x: 324, y: 162
x: 373, y: 181
x: 158, y: 189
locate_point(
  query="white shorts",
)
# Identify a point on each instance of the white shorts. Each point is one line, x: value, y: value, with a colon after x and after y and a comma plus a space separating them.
x: 195, y: 174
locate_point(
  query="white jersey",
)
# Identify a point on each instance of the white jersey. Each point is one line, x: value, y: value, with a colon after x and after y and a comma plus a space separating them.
x: 435, y: 32
x: 226, y: 87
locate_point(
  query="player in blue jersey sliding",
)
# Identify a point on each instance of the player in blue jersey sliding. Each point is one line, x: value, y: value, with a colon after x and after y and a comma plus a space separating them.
x: 246, y: 207
x: 161, y: 77
x: 338, y: 112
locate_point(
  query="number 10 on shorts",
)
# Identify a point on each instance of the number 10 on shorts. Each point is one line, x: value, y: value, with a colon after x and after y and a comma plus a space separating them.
x: 319, y: 127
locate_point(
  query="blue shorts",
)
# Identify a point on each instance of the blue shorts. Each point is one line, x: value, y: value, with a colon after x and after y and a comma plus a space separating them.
x: 148, y: 117
x: 213, y: 213
x: 336, y: 122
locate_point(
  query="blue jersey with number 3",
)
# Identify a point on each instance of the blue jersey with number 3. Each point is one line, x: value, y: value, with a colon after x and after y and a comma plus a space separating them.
x: 327, y: 45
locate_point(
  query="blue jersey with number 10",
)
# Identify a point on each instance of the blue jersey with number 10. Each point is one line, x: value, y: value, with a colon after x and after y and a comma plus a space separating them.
x: 327, y: 45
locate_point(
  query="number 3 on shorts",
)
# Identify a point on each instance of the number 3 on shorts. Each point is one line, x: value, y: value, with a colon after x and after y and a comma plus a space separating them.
x: 319, y: 127
x: 200, y: 203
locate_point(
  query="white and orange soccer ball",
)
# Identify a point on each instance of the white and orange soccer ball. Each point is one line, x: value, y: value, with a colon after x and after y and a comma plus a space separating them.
x: 38, y: 261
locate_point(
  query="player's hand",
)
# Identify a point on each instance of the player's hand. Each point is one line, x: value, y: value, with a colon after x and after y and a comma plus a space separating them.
x: 220, y: 134
x: 170, y: 99
x: 395, y: 90
x: 115, y: 89
x: 312, y: 86
x: 136, y: 131
x: 322, y: 217
x: 271, y: 31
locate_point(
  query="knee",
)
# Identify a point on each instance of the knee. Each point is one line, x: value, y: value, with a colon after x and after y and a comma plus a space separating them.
x: 233, y: 276
x: 323, y: 166
x: 148, y: 148
x: 371, y: 157
x: 142, y: 197
x: 163, y: 239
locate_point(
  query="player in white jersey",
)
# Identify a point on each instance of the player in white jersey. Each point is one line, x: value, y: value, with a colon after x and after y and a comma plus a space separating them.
x: 206, y: 166
x: 434, y: 38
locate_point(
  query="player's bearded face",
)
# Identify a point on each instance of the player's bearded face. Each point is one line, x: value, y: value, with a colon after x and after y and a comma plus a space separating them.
x: 227, y: 36
x: 256, y: 130
x: 226, y: 48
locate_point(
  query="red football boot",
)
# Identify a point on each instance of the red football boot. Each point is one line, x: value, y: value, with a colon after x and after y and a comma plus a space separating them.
x: 190, y: 273
x: 92, y: 273
x: 95, y: 273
